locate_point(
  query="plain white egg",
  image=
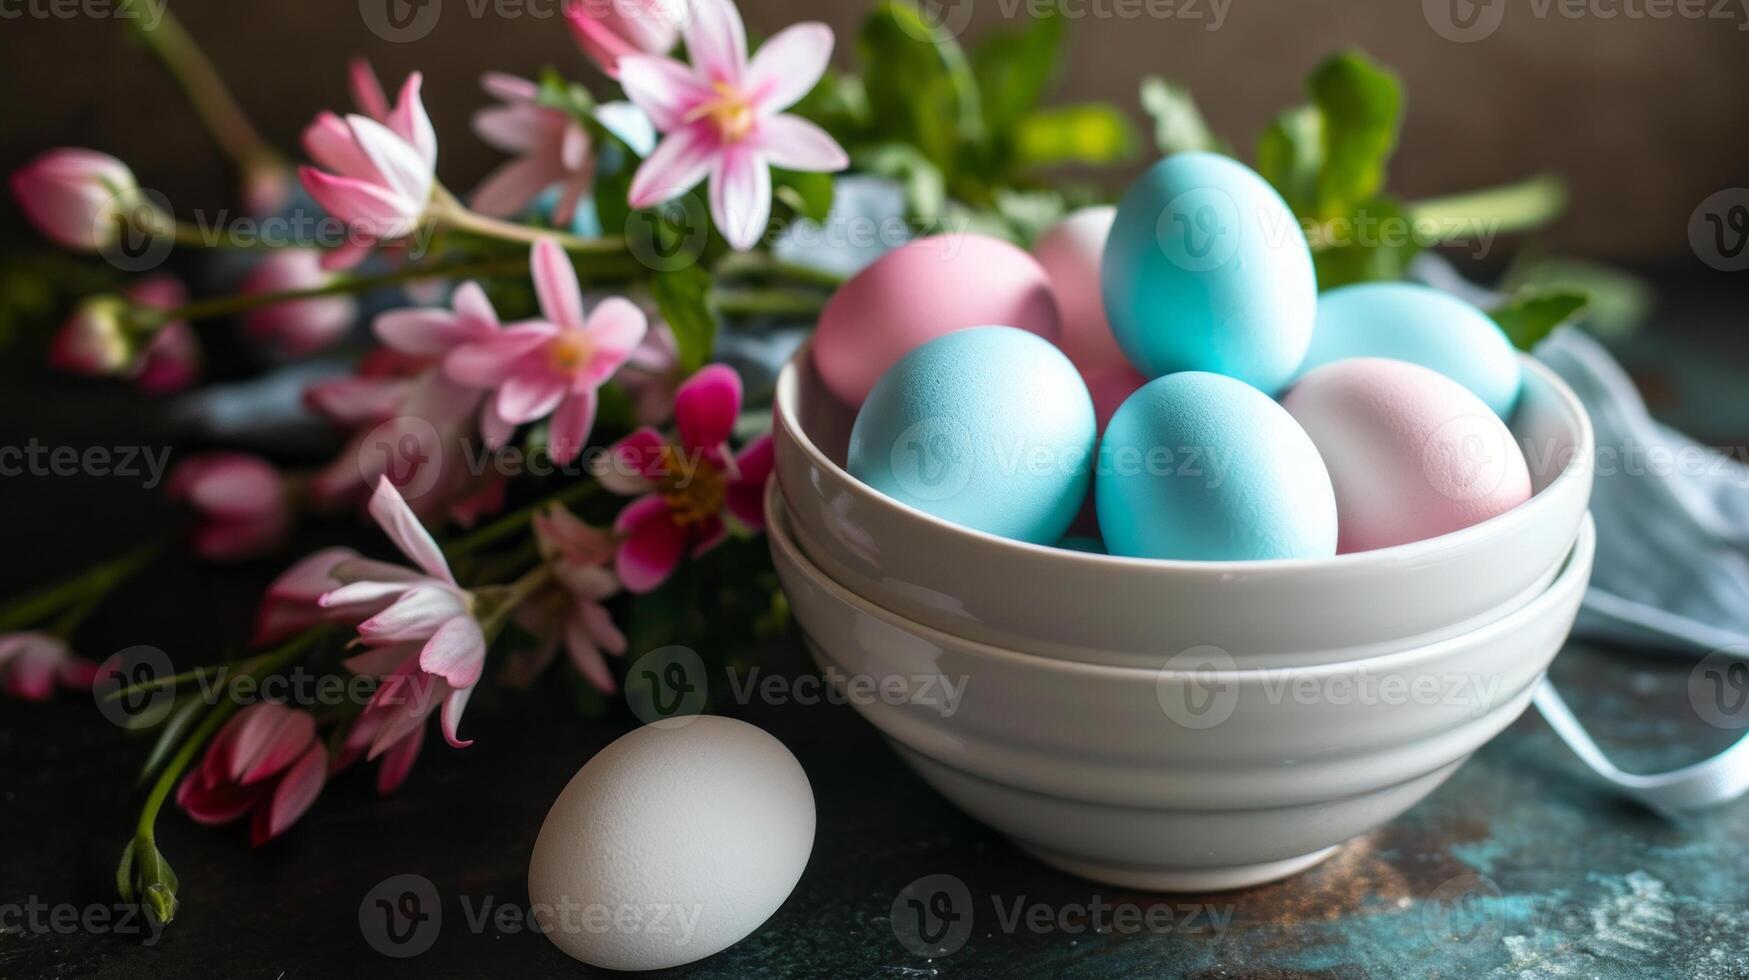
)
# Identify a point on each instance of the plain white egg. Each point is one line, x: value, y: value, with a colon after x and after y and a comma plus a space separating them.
x: 675, y: 842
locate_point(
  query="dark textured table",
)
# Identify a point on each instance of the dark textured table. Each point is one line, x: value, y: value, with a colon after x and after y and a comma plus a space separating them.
x: 1520, y: 866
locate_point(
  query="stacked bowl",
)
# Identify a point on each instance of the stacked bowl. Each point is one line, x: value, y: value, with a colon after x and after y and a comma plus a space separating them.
x: 1177, y: 725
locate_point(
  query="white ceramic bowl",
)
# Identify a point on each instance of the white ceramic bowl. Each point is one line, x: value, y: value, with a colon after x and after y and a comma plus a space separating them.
x: 1176, y: 779
x: 1132, y: 612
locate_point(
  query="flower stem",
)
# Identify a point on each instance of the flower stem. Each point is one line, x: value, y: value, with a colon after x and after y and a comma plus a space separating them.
x: 768, y: 302
x: 447, y: 210
x: 205, y: 89
x: 95, y: 581
x: 244, y: 302
x: 510, y: 523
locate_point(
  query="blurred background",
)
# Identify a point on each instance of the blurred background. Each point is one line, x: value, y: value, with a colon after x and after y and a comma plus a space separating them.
x: 1641, y: 106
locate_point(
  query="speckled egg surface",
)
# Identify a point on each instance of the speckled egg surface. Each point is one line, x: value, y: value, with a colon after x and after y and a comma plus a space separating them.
x: 1204, y: 467
x: 923, y: 290
x: 1206, y: 269
x: 674, y: 842
x: 1412, y: 454
x: 1409, y: 322
x: 989, y: 428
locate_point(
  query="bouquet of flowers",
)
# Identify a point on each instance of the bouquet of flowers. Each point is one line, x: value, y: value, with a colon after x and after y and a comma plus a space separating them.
x: 566, y: 313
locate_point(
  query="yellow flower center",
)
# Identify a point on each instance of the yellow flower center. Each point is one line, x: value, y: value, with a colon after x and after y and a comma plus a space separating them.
x: 729, y: 112
x: 693, y: 489
x: 569, y: 351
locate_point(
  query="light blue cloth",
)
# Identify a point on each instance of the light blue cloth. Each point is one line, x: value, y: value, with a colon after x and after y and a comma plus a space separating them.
x: 1672, y: 568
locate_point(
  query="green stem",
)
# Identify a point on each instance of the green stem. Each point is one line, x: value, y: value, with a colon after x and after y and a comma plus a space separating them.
x: 514, y: 595
x: 762, y: 264
x: 447, y: 210
x: 38, y: 606
x: 755, y: 302
x: 226, y: 707
x: 177, y: 680
x: 205, y: 89
x: 510, y: 523
x: 243, y: 302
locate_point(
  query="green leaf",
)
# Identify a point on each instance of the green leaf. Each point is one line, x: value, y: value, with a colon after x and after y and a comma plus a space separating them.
x: 1290, y: 153
x: 1015, y: 67
x: 681, y: 296
x: 925, y: 186
x: 1178, y: 123
x: 1617, y: 301
x: 919, y: 85
x: 1094, y: 133
x: 1497, y: 210
x: 1375, y: 243
x: 558, y: 92
x: 807, y: 194
x: 1528, y: 317
x: 1362, y: 105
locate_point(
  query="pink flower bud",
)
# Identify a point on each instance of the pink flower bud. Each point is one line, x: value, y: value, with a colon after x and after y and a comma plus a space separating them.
x: 608, y: 30
x: 95, y: 340
x: 240, y: 500
x: 301, y: 326
x: 267, y: 761
x: 171, y: 360
x: 73, y: 196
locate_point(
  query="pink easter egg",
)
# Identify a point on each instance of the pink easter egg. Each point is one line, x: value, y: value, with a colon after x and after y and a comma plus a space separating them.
x: 1070, y: 253
x: 1412, y: 454
x: 1110, y: 386
x: 920, y: 291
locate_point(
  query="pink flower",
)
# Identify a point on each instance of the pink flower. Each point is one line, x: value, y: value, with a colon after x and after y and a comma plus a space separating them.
x: 75, y: 196
x: 424, y: 641
x: 31, y: 664
x: 293, y: 602
x: 371, y: 394
x: 554, y: 367
x: 433, y: 333
x: 241, y: 501
x: 580, y: 556
x: 98, y: 340
x: 551, y: 147
x: 387, y: 712
x: 267, y: 760
x: 301, y: 326
x: 608, y: 30
x: 689, y: 485
x: 724, y: 117
x: 383, y: 173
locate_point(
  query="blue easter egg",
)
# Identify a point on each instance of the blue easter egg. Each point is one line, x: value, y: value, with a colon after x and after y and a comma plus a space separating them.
x: 1207, y: 269
x: 1205, y: 467
x: 990, y: 428
x: 1408, y: 322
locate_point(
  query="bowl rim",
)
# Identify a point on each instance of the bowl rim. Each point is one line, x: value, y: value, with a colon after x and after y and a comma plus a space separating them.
x: 1575, y: 469
x: 1579, y: 557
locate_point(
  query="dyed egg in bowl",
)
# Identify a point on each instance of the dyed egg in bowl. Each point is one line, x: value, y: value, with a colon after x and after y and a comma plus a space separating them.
x: 1106, y: 609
